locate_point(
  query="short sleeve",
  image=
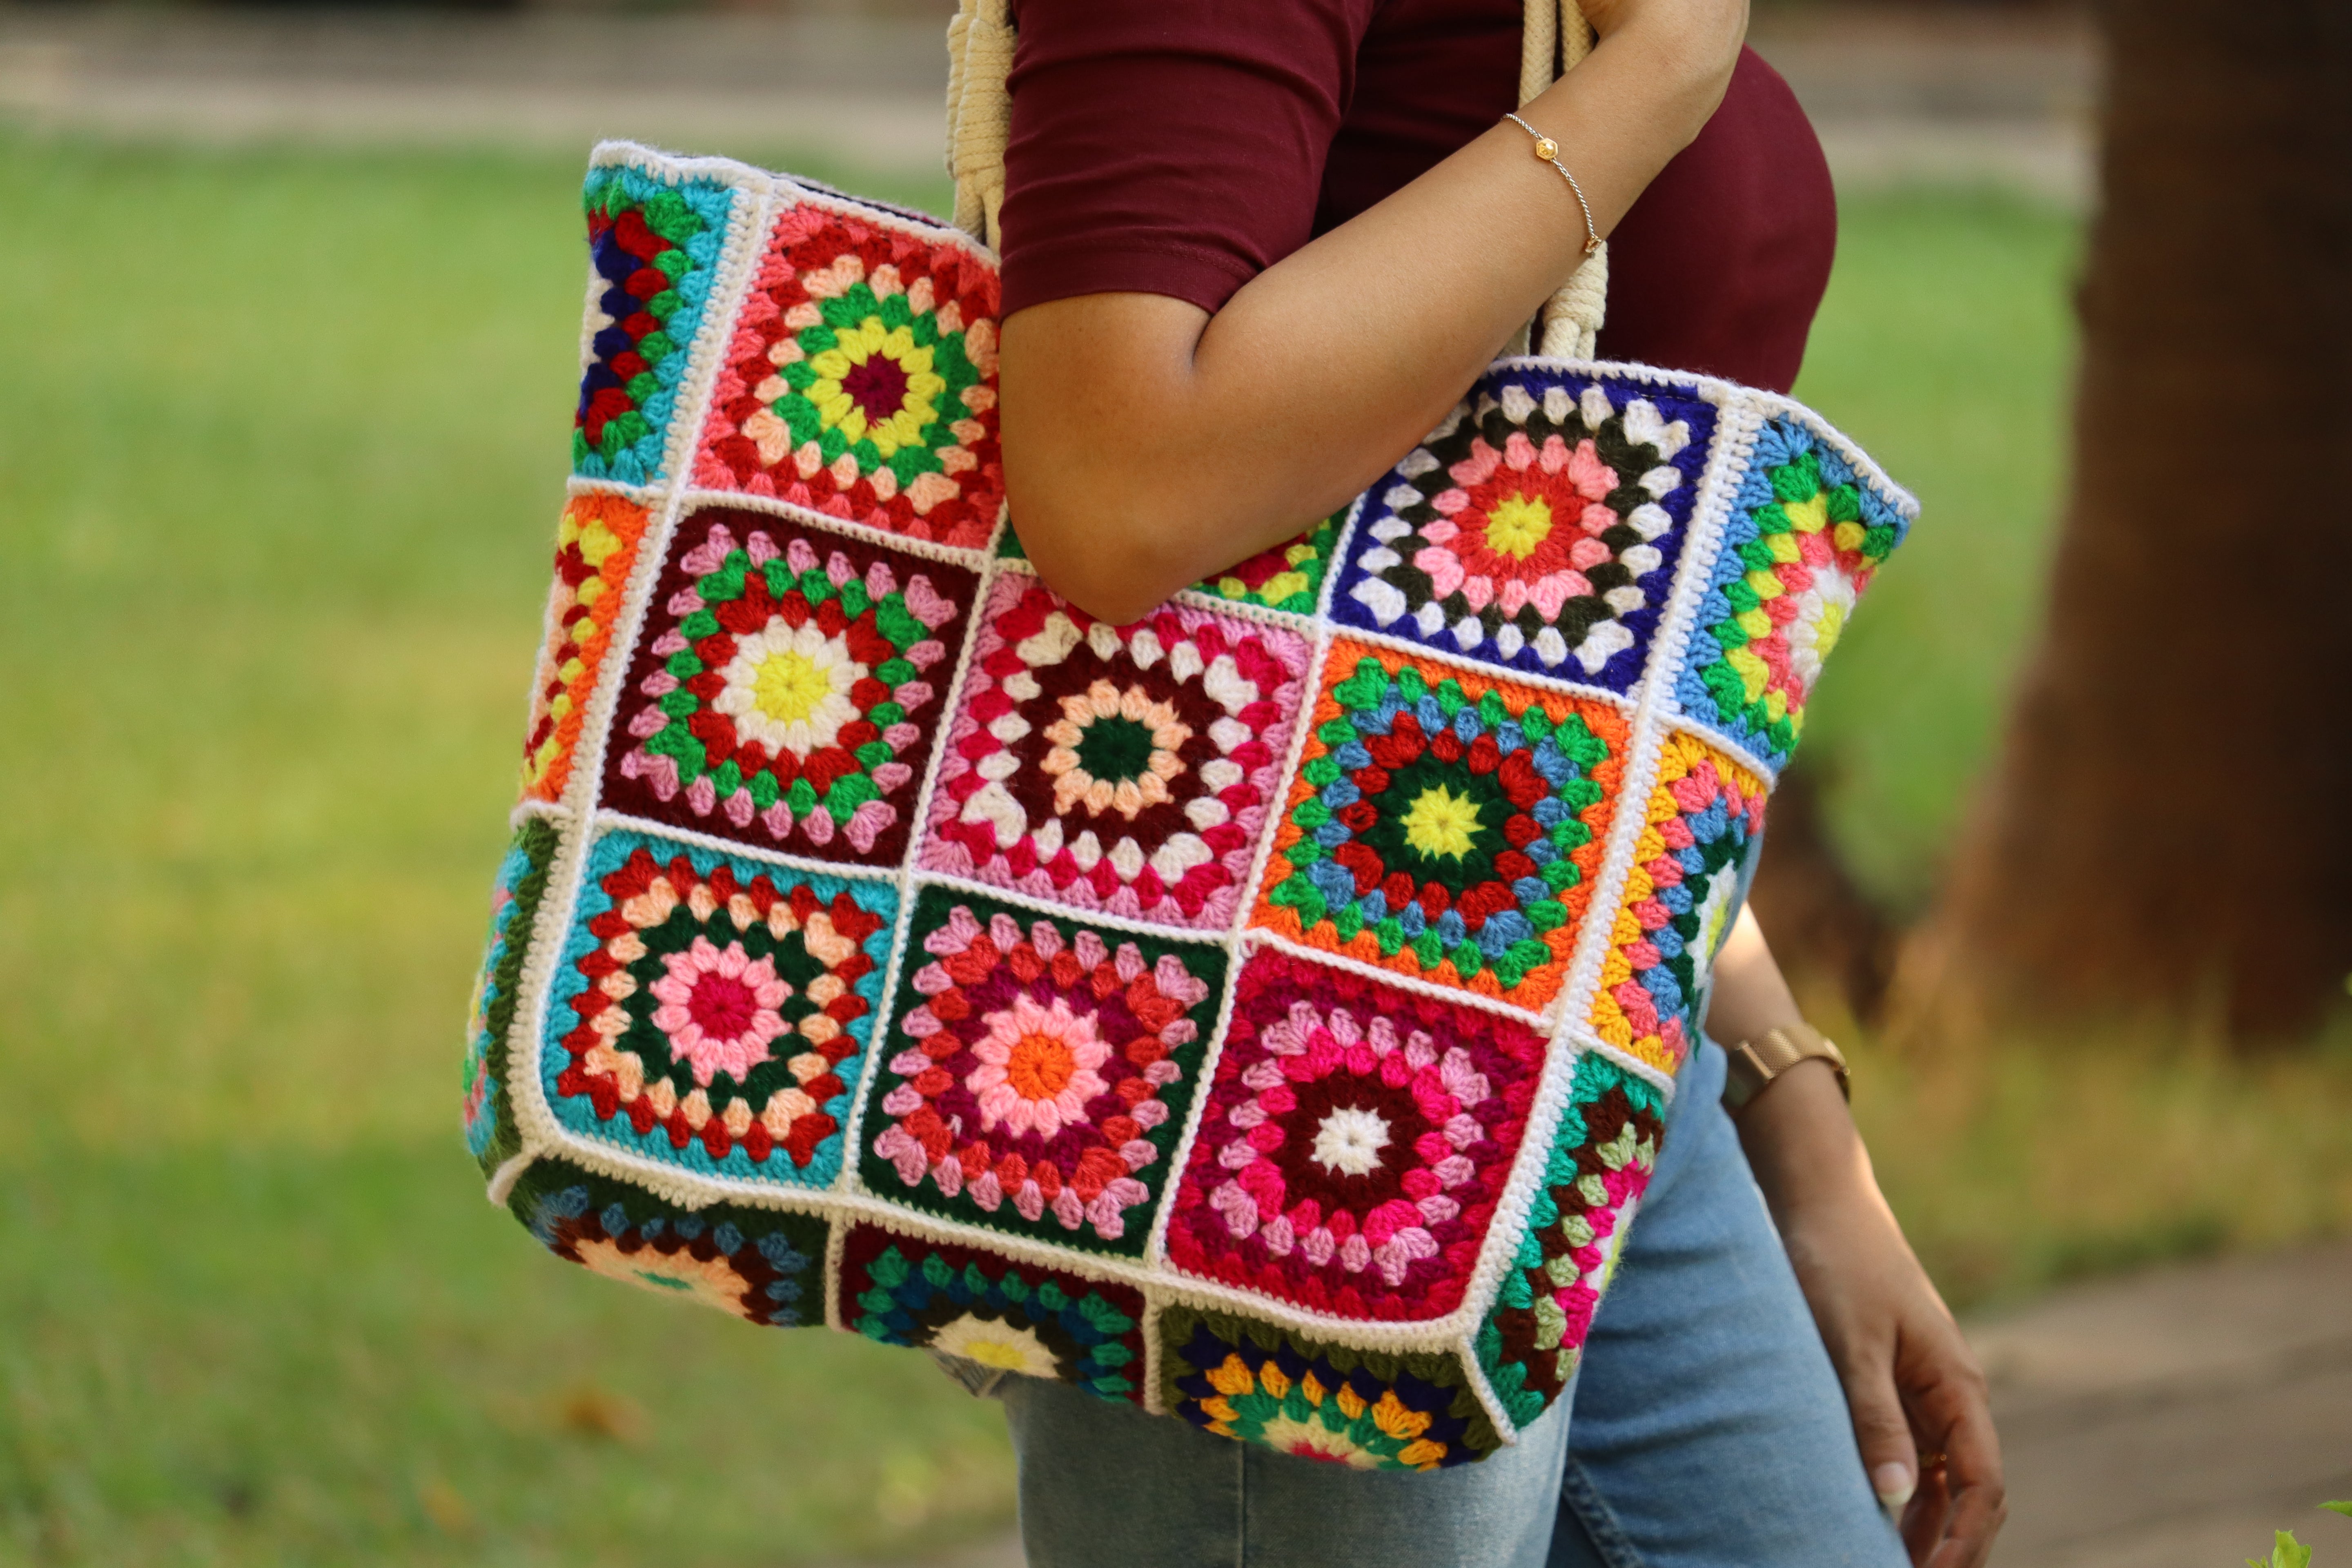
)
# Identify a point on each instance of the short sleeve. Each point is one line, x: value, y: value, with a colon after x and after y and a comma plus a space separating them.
x: 1174, y: 148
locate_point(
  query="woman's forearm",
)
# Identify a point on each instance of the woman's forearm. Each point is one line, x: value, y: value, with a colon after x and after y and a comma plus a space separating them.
x: 1147, y: 444
x: 1921, y: 1419
x: 1800, y: 1138
x: 1747, y: 993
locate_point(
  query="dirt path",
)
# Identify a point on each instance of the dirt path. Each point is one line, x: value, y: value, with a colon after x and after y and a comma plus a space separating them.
x: 2176, y: 1418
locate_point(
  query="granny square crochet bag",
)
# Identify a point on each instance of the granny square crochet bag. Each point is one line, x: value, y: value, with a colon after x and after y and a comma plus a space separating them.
x: 1264, y: 1012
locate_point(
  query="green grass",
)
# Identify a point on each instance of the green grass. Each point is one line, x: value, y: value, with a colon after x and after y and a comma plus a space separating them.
x: 1944, y: 348
x: 2020, y: 1163
x: 284, y: 438
x: 235, y: 1357
x: 281, y: 450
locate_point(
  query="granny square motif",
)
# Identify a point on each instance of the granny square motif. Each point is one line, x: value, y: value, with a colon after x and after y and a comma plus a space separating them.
x: 1370, y: 1410
x: 790, y: 690
x: 1264, y: 1014
x: 521, y: 882
x: 1040, y: 1070
x: 1537, y: 527
x: 1805, y: 535
x: 1287, y: 577
x: 1603, y: 1153
x: 1018, y: 1318
x: 861, y: 381
x: 1692, y: 864
x: 1127, y: 769
x: 1445, y: 824
x: 652, y: 243
x: 1356, y: 1142
x: 595, y: 550
x: 715, y: 1012
x: 759, y: 1264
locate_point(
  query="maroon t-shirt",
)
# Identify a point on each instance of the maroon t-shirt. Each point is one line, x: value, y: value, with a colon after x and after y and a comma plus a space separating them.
x: 1184, y: 146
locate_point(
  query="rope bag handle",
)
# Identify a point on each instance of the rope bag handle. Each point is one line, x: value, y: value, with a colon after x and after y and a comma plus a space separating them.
x: 980, y: 112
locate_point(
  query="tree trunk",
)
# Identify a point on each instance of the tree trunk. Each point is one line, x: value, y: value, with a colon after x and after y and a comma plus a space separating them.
x: 2170, y: 827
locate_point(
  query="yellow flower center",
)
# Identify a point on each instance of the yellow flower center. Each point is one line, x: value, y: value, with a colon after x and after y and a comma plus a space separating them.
x: 996, y: 1354
x: 1516, y: 526
x: 1039, y: 1067
x: 1442, y: 823
x: 848, y: 381
x: 789, y: 687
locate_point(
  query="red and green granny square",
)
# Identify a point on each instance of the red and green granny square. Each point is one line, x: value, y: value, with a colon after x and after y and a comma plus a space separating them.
x: 787, y: 688
x: 1037, y: 1072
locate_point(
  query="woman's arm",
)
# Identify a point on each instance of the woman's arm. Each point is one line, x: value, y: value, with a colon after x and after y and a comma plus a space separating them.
x: 1910, y: 1380
x: 1149, y: 443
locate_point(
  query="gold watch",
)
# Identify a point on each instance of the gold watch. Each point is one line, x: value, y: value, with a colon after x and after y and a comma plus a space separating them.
x: 1756, y: 1063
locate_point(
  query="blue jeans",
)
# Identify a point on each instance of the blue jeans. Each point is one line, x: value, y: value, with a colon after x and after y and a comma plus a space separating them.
x: 1709, y: 1431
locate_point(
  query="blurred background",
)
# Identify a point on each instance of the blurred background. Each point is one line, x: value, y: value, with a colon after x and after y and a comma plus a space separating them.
x: 291, y: 298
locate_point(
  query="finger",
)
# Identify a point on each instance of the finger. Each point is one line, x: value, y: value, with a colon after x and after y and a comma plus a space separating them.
x: 1973, y: 1477
x: 1888, y: 1456
x: 1923, y: 1522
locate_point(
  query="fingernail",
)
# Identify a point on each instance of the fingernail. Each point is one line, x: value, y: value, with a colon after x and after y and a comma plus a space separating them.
x: 1894, y: 1484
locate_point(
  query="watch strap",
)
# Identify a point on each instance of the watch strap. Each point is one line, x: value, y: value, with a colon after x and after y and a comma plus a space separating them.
x: 1755, y: 1063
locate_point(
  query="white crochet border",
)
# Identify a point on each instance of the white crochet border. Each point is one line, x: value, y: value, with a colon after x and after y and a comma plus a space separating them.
x: 1649, y: 708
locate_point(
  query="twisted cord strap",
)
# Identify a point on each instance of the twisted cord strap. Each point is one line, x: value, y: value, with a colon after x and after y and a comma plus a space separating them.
x: 980, y: 113
x: 1569, y: 322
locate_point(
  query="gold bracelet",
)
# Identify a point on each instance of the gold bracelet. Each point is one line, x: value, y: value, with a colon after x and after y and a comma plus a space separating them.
x: 1547, y: 150
x: 1756, y: 1063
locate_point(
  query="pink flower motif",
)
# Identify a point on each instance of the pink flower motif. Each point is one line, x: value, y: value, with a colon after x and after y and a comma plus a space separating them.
x: 1344, y: 1145
x: 1523, y: 527
x: 1037, y: 1067
x: 719, y: 1009
x: 1030, y: 1076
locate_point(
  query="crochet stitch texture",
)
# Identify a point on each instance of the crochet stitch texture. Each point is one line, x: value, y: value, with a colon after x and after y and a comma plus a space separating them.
x: 1265, y: 1013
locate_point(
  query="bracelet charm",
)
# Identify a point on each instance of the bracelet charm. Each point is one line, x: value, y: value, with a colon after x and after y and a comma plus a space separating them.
x: 1548, y: 152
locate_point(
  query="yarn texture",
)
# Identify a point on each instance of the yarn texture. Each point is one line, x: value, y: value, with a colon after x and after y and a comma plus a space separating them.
x: 1264, y: 1014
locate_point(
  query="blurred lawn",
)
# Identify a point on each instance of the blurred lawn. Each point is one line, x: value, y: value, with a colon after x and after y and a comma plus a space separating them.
x: 1945, y: 348
x: 281, y: 455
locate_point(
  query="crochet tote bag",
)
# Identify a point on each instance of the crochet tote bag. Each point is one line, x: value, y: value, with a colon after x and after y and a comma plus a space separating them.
x: 1263, y: 1013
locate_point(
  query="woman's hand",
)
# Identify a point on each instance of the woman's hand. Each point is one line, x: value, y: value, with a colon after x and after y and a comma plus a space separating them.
x: 1701, y: 37
x: 1911, y: 1382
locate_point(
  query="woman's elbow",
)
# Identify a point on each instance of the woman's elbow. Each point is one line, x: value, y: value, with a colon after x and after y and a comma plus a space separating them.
x: 1099, y: 554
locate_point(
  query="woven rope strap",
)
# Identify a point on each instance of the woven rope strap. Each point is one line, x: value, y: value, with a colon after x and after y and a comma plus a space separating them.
x: 980, y: 113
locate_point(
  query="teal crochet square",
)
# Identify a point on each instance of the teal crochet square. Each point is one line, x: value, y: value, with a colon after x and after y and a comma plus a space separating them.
x: 515, y: 894
x: 713, y: 1013
x: 654, y: 244
x: 1806, y: 534
x: 1020, y: 1318
x: 1603, y: 1156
